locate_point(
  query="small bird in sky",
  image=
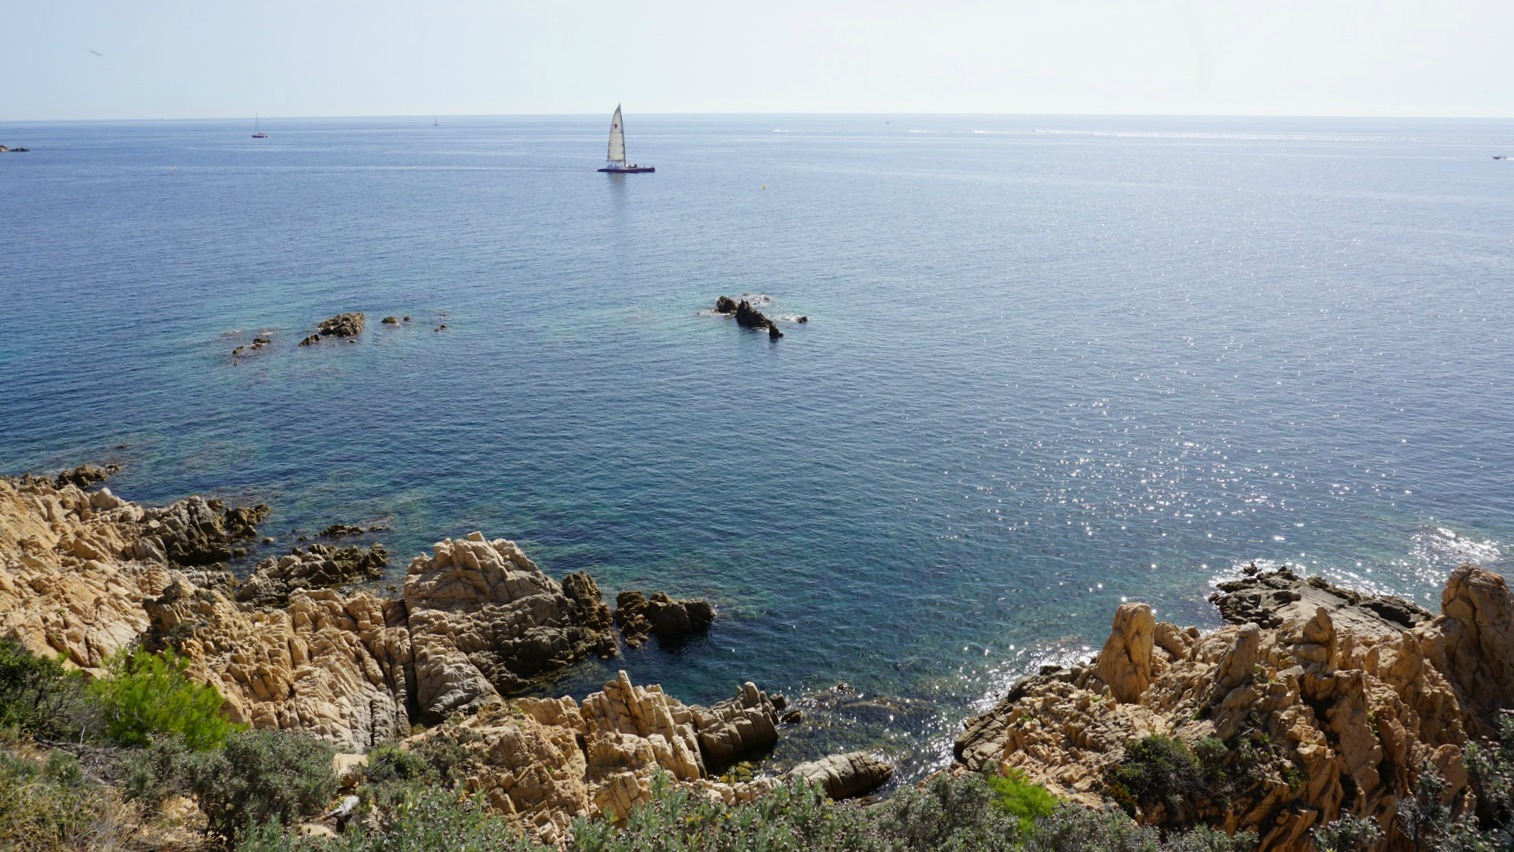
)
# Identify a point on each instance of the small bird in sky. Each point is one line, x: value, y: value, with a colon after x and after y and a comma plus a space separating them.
x: 96, y: 52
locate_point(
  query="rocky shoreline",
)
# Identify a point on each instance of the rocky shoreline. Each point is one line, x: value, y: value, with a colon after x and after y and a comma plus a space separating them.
x: 86, y: 573
x: 1313, y: 703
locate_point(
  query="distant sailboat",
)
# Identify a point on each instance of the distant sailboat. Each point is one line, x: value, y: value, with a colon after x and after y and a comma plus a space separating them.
x: 616, y: 159
x: 434, y: 122
x: 257, y: 127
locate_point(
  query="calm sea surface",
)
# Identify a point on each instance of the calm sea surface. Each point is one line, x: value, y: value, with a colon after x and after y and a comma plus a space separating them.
x: 1051, y: 364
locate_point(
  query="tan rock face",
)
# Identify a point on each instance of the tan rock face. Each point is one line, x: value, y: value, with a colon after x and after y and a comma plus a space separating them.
x: 484, y: 621
x: 548, y: 760
x: 1326, y: 701
x: 1125, y: 662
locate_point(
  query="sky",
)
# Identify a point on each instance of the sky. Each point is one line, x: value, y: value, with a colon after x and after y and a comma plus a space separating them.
x: 107, y: 59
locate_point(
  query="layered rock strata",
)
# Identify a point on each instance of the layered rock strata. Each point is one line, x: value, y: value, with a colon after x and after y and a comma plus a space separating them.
x: 1327, y: 702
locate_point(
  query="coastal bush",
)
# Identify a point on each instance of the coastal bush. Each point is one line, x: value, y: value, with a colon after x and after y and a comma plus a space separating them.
x: 156, y: 772
x: 39, y: 697
x: 146, y: 694
x: 968, y: 811
x: 427, y: 819
x: 1073, y: 828
x: 795, y: 817
x: 1160, y: 771
x: 1022, y: 798
x: 258, y: 777
x: 1350, y: 833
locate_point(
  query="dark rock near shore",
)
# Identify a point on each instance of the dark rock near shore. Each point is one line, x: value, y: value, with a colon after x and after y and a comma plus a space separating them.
x: 639, y: 616
x: 391, y: 320
x: 320, y: 566
x: 195, y: 531
x: 311, y: 340
x: 86, y: 475
x: 725, y: 305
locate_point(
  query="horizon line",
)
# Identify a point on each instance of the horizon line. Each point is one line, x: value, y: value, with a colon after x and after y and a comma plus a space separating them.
x: 811, y: 113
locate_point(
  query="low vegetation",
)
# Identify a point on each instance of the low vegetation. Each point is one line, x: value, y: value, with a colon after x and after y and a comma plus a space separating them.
x: 253, y: 789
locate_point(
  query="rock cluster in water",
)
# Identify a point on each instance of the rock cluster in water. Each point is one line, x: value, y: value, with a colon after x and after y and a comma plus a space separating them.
x: 1329, y: 702
x: 747, y: 316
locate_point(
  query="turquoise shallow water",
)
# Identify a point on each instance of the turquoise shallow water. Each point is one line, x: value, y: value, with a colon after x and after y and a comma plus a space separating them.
x: 1052, y: 363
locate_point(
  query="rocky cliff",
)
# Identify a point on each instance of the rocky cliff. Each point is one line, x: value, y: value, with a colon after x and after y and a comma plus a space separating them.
x: 1313, y: 702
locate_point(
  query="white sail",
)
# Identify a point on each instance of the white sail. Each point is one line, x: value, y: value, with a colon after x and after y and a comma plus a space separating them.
x: 617, y: 139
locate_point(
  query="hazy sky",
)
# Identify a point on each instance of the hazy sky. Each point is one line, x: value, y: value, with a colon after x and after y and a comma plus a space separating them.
x: 421, y: 57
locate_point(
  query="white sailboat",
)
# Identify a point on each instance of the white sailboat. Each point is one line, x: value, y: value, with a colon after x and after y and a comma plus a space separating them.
x: 615, y: 160
x: 257, y: 127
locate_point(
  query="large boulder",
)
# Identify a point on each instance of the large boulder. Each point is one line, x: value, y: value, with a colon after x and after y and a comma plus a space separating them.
x: 639, y: 616
x: 194, y: 531
x: 485, y: 621
x: 844, y: 776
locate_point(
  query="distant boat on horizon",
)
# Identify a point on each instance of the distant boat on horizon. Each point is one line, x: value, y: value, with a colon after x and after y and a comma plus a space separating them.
x: 615, y: 160
x: 257, y: 127
x: 434, y: 122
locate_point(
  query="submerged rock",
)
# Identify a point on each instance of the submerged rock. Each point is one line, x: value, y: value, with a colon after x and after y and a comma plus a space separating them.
x: 390, y: 320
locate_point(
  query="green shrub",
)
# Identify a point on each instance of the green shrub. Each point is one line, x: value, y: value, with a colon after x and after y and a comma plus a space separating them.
x: 155, y: 773
x: 147, y: 694
x: 259, y: 776
x: 795, y: 817
x: 1160, y: 771
x: 39, y: 697
x: 1022, y: 798
x: 949, y: 812
x: 1348, y: 834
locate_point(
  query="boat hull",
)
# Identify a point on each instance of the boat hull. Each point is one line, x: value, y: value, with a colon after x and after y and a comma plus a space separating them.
x: 628, y: 170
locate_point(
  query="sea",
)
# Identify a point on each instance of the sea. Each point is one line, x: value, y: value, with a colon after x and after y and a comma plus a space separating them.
x: 1050, y: 364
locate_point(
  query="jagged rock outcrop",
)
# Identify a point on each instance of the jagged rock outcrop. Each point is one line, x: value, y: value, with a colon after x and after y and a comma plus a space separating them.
x: 844, y: 776
x: 639, y: 616
x: 194, y: 531
x: 1125, y: 662
x: 337, y: 667
x: 484, y: 621
x: 1326, y: 702
x: 547, y: 760
x: 320, y: 566
x: 88, y: 573
x: 747, y: 315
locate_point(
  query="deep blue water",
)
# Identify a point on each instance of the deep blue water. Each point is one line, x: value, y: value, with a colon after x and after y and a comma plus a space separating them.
x: 1051, y: 362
